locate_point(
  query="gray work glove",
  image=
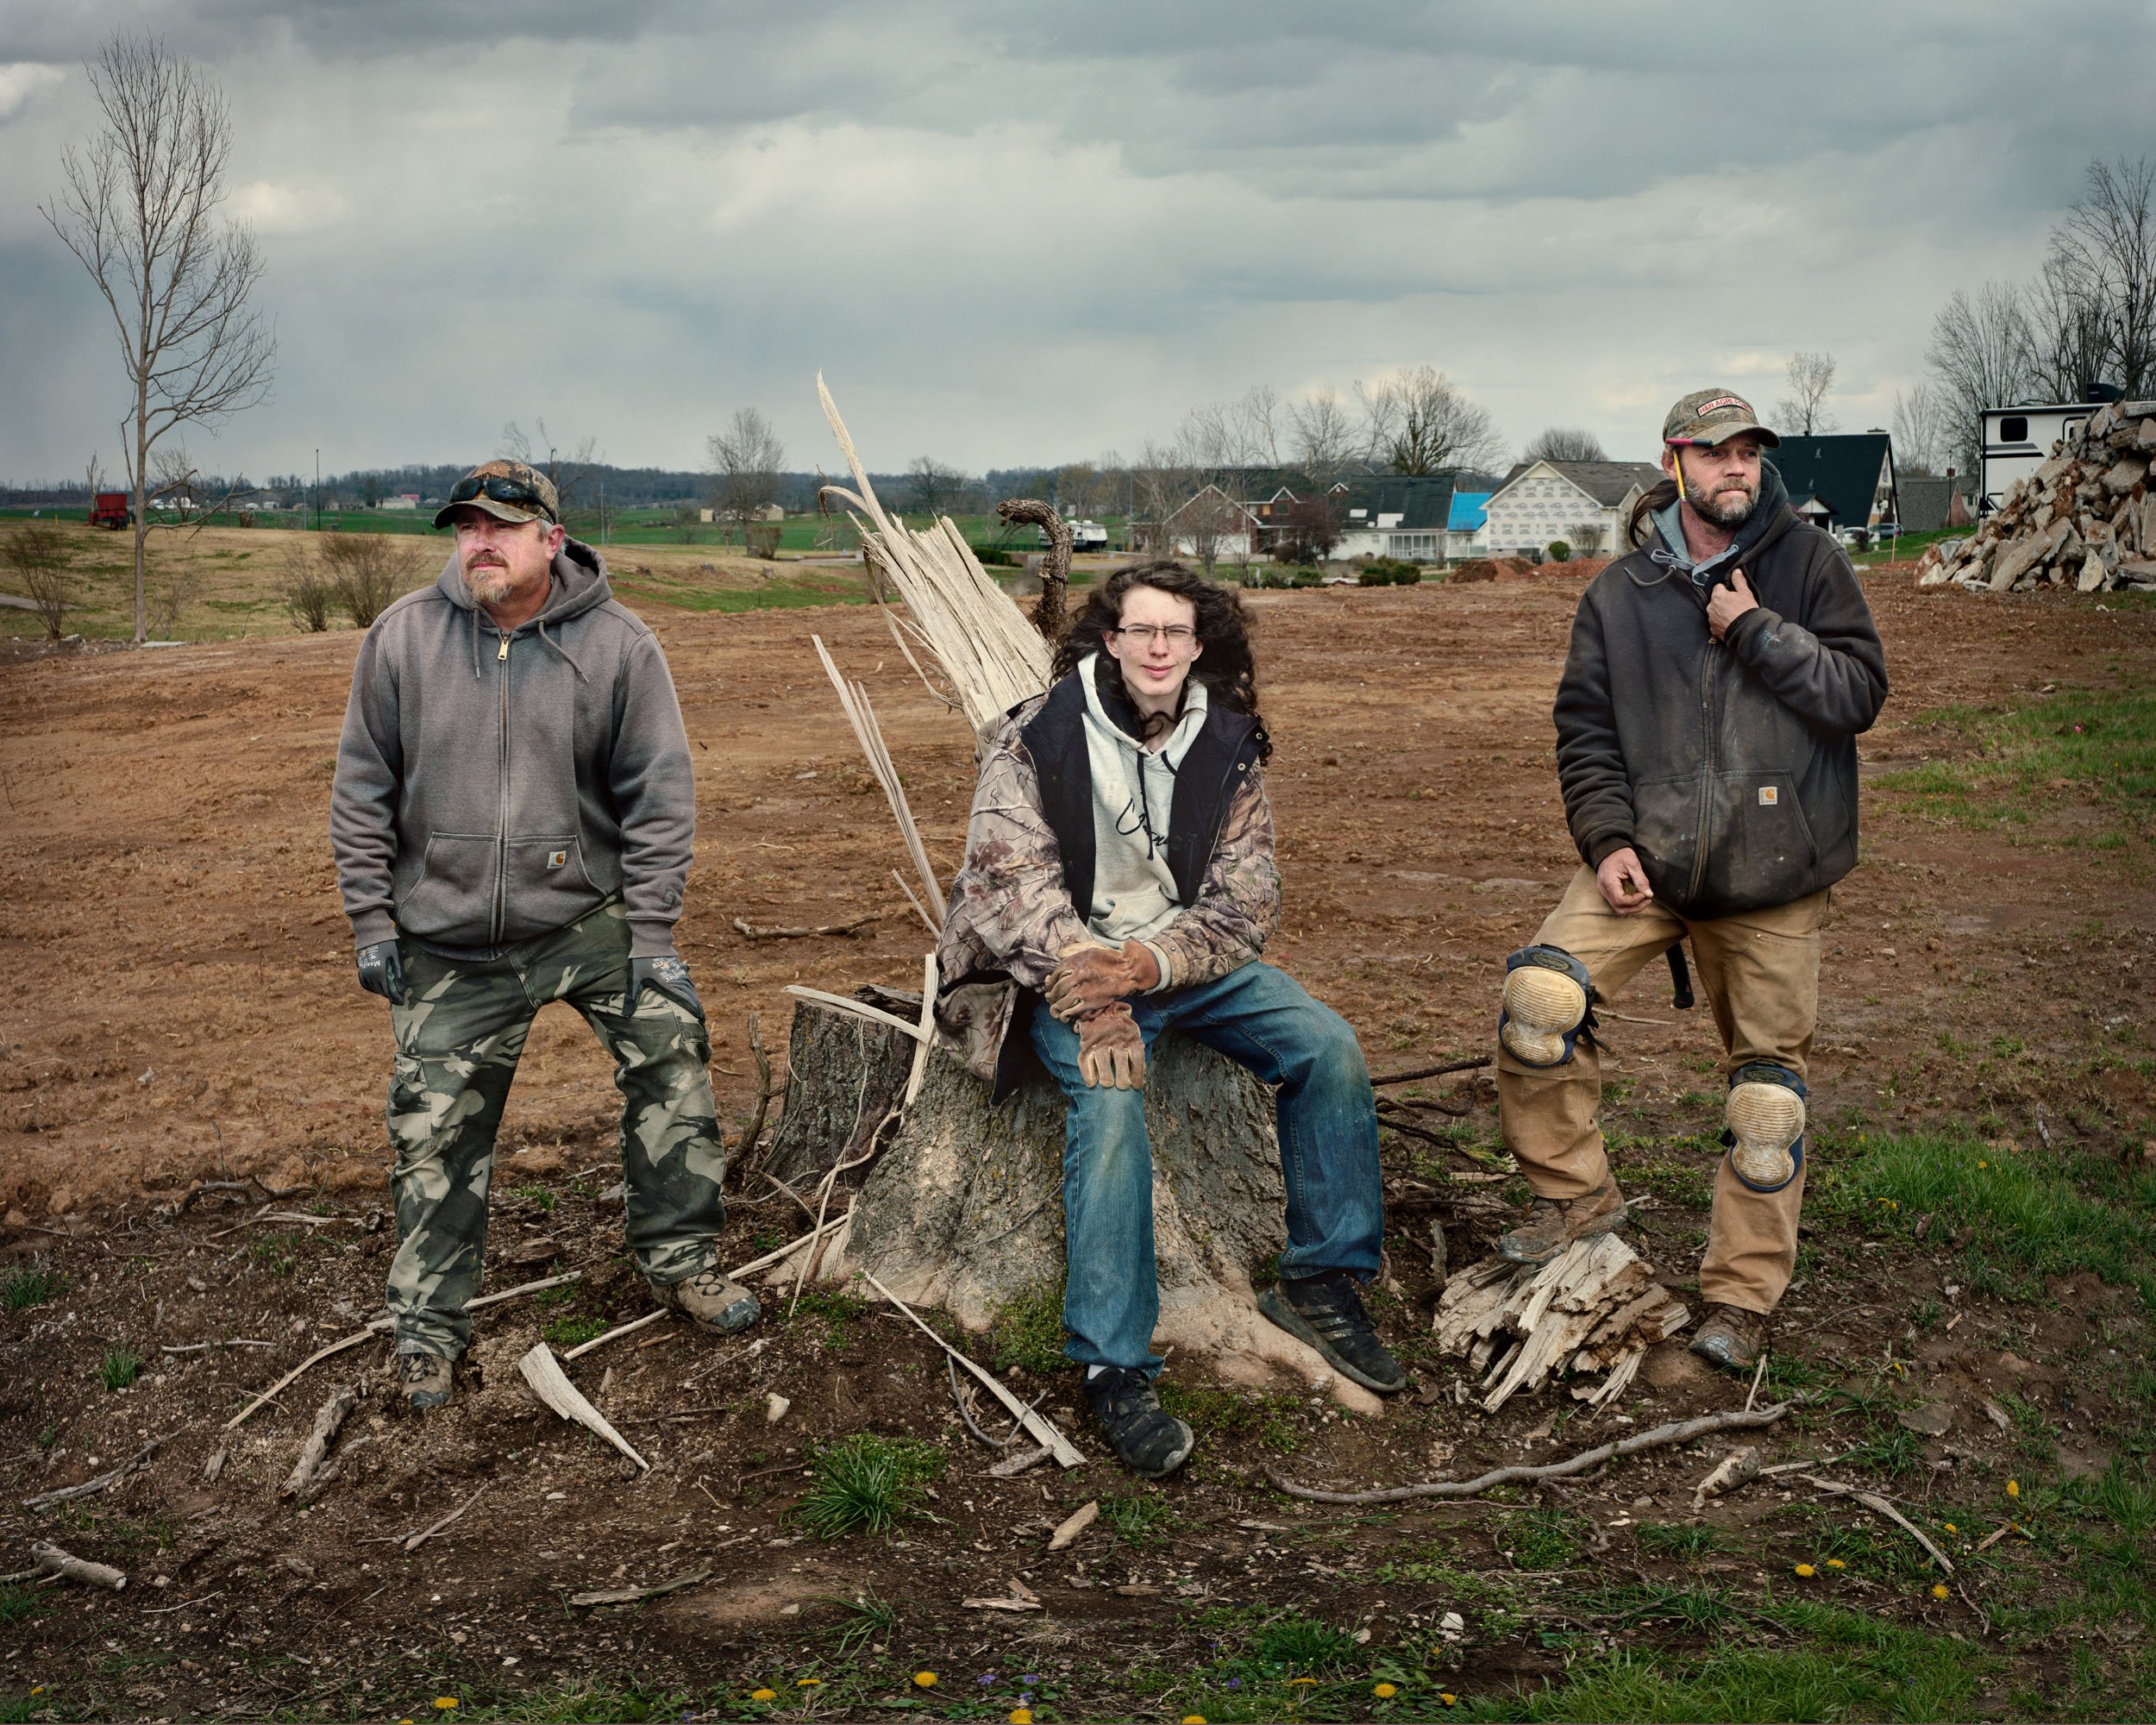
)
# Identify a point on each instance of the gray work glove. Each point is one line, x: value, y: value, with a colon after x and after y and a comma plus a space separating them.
x: 668, y: 976
x: 382, y: 971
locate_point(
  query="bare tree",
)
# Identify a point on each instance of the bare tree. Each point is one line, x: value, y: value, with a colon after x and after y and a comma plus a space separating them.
x: 2096, y: 300
x: 934, y: 486
x: 140, y: 212
x: 366, y: 571
x: 1161, y: 481
x: 1323, y: 441
x: 745, y: 459
x: 573, y: 471
x: 1227, y: 437
x: 1803, y: 412
x: 1419, y: 421
x: 1216, y: 526
x: 1981, y: 354
x: 1918, y: 426
x: 34, y: 559
x: 1564, y: 444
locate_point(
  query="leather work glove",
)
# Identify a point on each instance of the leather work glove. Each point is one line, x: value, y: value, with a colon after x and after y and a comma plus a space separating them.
x: 1111, y: 1049
x: 668, y: 976
x: 1091, y: 977
x: 382, y: 972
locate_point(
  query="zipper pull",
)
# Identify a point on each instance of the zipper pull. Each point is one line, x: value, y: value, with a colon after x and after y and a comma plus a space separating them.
x: 503, y: 654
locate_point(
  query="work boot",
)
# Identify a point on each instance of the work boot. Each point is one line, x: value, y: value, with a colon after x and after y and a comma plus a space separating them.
x: 1731, y: 1338
x: 1325, y: 1310
x: 1146, y: 1439
x: 712, y: 1300
x: 1554, y: 1223
x: 426, y: 1379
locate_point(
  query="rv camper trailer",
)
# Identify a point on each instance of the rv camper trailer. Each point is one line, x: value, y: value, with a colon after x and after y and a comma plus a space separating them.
x: 2018, y: 439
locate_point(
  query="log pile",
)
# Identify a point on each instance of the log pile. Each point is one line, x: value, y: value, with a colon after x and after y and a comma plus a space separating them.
x: 2086, y: 519
x: 1594, y: 1307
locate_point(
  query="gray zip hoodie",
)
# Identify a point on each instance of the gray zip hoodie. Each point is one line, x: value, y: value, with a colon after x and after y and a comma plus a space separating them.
x: 492, y: 788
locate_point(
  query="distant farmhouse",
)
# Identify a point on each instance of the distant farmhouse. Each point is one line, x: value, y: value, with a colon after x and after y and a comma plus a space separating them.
x: 1423, y: 518
x: 1585, y: 504
x: 403, y: 500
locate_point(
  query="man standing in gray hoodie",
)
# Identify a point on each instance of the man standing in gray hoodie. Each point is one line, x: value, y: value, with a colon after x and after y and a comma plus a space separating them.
x: 513, y: 817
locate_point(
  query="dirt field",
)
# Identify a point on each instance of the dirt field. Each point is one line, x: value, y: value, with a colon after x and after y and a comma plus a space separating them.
x: 183, y: 1006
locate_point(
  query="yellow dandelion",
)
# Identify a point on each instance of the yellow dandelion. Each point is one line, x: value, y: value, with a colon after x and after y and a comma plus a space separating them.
x: 1021, y: 1715
x: 1836, y: 1563
x: 807, y: 1682
x: 924, y: 1679
x: 1449, y: 1699
x: 1939, y: 1591
x: 1806, y: 1571
x: 1193, y: 1719
x: 442, y: 1704
x: 1949, y: 1526
x: 763, y: 1695
x: 1300, y: 1682
x: 2014, y: 1488
x: 1384, y: 1692
x: 1984, y: 1165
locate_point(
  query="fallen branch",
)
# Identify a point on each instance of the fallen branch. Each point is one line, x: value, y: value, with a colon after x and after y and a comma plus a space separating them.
x: 89, y: 1488
x: 65, y: 1566
x: 426, y: 1534
x: 776, y: 932
x: 1043, y: 1429
x: 542, y: 1371
x: 1011, y: 1466
x: 1379, y: 1079
x: 1679, y: 1431
x: 304, y: 1480
x: 207, y: 1347
x: 746, y: 1147
x: 618, y: 1333
x: 376, y: 1328
x: 1878, y: 1505
x: 632, y: 1596
x: 860, y: 1009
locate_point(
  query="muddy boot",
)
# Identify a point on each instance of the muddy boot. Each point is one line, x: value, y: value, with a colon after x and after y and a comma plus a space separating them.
x: 1731, y: 1338
x: 1554, y: 1223
x: 425, y: 1379
x: 1325, y: 1310
x: 712, y: 1300
x: 1146, y: 1439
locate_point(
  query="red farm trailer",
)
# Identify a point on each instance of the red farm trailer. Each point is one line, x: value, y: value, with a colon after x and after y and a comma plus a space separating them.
x: 110, y: 509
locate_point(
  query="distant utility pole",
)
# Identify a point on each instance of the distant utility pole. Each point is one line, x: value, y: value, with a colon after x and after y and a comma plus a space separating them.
x: 317, y: 491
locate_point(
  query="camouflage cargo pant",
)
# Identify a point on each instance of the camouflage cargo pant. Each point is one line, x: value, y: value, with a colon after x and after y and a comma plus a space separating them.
x: 457, y: 1041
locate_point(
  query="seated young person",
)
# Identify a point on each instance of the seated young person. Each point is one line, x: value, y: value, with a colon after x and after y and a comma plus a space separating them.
x: 1119, y: 881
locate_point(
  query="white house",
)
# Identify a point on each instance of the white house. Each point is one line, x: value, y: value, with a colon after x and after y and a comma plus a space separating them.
x: 403, y: 499
x: 1582, y: 503
x: 1397, y: 516
x: 1211, y: 523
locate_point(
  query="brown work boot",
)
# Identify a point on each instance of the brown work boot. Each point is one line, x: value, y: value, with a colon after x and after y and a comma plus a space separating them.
x: 425, y: 1380
x: 1731, y: 1338
x: 712, y: 1300
x: 1554, y: 1223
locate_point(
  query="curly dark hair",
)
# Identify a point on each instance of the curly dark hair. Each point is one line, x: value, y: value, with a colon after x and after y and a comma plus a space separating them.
x: 1226, y: 667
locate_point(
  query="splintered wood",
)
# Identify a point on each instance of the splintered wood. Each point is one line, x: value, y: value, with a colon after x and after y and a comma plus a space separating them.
x: 1594, y: 1307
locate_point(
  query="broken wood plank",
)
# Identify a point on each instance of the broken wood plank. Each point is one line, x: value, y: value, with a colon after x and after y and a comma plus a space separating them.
x: 1074, y: 1525
x: 542, y: 1371
x: 632, y: 1596
x: 750, y: 932
x: 304, y: 1477
x: 65, y: 1566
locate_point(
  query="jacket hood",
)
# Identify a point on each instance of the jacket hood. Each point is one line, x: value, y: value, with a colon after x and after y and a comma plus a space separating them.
x: 579, y: 583
x: 1770, y: 519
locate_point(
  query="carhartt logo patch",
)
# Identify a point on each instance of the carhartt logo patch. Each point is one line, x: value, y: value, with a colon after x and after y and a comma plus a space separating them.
x: 556, y: 859
x: 1770, y: 795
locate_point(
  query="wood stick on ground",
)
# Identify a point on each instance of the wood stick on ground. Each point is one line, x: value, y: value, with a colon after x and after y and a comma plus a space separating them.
x: 1043, y: 1429
x: 746, y: 1147
x: 1011, y: 1466
x: 1379, y: 1079
x: 1679, y: 1431
x: 780, y: 932
x: 543, y: 1373
x: 1079, y: 1521
x: 631, y: 1596
x: 424, y: 1534
x: 1878, y: 1505
x: 618, y: 1333
x: 211, y: 1347
x: 375, y: 1329
x: 329, y: 1421
x: 89, y: 1488
x: 68, y: 1567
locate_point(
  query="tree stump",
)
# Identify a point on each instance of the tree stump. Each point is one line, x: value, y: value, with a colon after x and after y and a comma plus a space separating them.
x: 964, y: 1209
x: 843, y: 1076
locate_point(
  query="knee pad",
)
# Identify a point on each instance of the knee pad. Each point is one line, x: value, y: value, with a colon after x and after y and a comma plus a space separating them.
x: 1766, y: 1125
x: 1545, y: 1008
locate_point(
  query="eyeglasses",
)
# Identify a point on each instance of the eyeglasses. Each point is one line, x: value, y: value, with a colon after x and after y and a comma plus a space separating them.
x: 502, y: 490
x: 1177, y: 635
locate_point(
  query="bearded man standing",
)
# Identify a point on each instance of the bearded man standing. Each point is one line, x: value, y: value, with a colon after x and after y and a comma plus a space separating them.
x: 512, y: 816
x: 1718, y: 678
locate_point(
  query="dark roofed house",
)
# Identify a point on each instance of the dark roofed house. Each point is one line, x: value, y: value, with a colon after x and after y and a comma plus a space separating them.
x: 1581, y: 503
x: 1396, y: 516
x: 1840, y: 481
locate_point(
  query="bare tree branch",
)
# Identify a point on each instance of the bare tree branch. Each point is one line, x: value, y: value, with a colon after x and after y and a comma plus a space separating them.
x: 1803, y: 412
x: 745, y: 460
x: 1419, y: 421
x: 1565, y: 444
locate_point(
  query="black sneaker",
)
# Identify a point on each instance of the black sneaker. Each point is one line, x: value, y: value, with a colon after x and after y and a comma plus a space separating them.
x: 1146, y: 1439
x: 1327, y: 1311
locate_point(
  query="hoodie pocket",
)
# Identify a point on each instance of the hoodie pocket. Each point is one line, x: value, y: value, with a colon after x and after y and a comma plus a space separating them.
x: 454, y: 896
x: 1760, y: 850
x: 548, y: 886
x: 1665, y: 834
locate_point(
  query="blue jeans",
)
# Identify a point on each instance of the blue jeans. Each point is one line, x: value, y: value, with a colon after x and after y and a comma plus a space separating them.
x: 1259, y: 1018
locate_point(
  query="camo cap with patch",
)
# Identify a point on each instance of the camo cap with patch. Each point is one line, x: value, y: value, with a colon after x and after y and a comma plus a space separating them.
x: 1710, y: 417
x: 507, y: 489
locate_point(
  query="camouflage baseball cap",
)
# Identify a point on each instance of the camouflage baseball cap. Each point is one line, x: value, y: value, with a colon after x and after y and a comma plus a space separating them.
x: 508, y: 491
x: 1713, y: 416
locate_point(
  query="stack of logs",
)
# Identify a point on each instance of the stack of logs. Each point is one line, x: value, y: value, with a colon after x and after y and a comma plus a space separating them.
x: 2086, y: 519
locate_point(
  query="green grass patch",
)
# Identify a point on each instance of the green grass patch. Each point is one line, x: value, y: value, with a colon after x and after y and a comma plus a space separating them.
x: 279, y: 1254
x: 870, y: 1621
x: 26, y: 1285
x: 1138, y: 1518
x: 1544, y: 1538
x: 18, y: 1604
x: 1267, y: 1418
x: 596, y: 1700
x: 1678, y: 1539
x: 1028, y: 1332
x: 835, y: 1311
x: 119, y: 1368
x: 542, y: 1197
x: 867, y: 1484
x: 576, y: 1330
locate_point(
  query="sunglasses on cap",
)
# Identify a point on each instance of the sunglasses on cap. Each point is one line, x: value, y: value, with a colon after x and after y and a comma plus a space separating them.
x: 501, y: 489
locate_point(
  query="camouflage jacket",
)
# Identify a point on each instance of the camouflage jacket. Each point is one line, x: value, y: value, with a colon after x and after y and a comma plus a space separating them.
x: 1015, y: 906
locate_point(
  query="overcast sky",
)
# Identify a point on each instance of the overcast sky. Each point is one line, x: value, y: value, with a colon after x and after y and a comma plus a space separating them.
x: 1011, y: 233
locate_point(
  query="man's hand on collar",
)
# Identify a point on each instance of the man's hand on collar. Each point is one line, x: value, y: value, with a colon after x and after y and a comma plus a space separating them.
x: 1727, y: 604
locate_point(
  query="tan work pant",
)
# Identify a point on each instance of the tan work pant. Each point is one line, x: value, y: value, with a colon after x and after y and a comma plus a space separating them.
x: 1760, y: 970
